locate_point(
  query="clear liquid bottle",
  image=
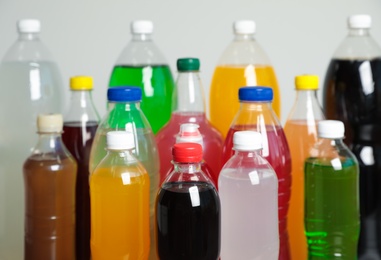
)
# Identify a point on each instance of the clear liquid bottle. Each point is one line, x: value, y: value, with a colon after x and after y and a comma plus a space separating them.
x: 124, y: 114
x: 80, y: 125
x: 248, y: 189
x: 256, y: 114
x: 119, y: 188
x: 188, y: 209
x: 189, y: 107
x: 31, y: 84
x: 243, y: 63
x: 142, y: 64
x: 332, y: 217
x: 50, y: 174
x: 301, y: 133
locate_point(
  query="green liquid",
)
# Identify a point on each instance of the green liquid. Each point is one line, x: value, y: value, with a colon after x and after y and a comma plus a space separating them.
x: 332, y: 218
x: 157, y: 87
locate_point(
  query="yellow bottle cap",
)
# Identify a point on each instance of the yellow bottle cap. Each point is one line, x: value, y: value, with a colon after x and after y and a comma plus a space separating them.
x: 81, y: 83
x: 307, y: 82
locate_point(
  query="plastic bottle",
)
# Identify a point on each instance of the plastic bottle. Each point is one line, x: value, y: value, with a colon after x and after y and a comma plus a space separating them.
x: 124, y: 114
x: 351, y: 95
x: 301, y: 133
x: 142, y: 64
x: 243, y: 63
x: 332, y: 219
x: 31, y: 84
x: 49, y: 182
x: 249, y: 199
x: 119, y: 188
x: 80, y: 125
x: 189, y: 107
x: 256, y: 114
x: 188, y: 209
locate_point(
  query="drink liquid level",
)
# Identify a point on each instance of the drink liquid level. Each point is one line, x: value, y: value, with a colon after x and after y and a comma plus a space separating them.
x: 157, y: 87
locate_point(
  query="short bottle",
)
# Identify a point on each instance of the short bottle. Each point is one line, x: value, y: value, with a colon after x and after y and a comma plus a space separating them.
x: 332, y: 219
x: 188, y: 209
x: 119, y: 188
x: 248, y: 189
x: 80, y: 124
x: 49, y: 179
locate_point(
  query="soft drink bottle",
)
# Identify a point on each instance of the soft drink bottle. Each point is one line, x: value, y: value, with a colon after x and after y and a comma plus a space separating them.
x: 189, y: 107
x: 332, y: 220
x: 31, y: 84
x: 124, y: 114
x: 248, y: 189
x: 142, y: 64
x: 119, y: 188
x: 188, y: 209
x: 49, y: 179
x: 301, y: 133
x: 80, y: 125
x: 243, y: 63
x: 256, y: 114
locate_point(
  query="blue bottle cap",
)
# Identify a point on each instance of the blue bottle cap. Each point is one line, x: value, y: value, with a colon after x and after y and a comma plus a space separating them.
x: 257, y: 93
x: 124, y: 94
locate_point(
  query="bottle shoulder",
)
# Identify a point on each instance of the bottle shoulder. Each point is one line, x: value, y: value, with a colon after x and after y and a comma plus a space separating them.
x: 139, y: 53
x: 33, y: 50
x: 357, y: 48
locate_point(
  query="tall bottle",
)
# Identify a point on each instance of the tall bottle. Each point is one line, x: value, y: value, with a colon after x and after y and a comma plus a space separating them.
x: 243, y: 63
x: 332, y: 219
x: 188, y: 210
x: 31, y: 84
x: 80, y: 125
x: 256, y: 114
x: 301, y: 133
x: 351, y: 94
x: 248, y: 189
x: 124, y: 114
x: 49, y: 180
x: 142, y: 64
x: 189, y: 107
x: 119, y: 188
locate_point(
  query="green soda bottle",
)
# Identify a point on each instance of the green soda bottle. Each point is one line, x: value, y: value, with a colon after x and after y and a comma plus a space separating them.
x: 332, y: 218
x: 142, y: 64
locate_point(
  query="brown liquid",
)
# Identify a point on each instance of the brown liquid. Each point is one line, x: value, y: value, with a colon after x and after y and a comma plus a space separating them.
x: 49, y: 208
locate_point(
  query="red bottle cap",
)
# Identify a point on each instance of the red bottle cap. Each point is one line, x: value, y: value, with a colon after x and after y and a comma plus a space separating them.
x: 187, y: 152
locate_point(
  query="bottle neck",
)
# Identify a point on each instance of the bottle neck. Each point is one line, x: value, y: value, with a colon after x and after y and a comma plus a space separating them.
x: 142, y: 37
x: 358, y: 32
x: 126, y: 106
x: 29, y: 36
x: 81, y: 107
x: 187, y: 168
x: 256, y: 106
x: 244, y: 37
x: 249, y: 154
x: 306, y: 106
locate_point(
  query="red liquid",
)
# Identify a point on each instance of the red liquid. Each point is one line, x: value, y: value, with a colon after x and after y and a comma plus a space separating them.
x: 213, y: 143
x: 277, y: 153
x: 78, y: 141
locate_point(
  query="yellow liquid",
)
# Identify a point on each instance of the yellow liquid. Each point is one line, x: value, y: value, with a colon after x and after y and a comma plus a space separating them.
x: 119, y: 214
x: 227, y: 80
x: 301, y: 137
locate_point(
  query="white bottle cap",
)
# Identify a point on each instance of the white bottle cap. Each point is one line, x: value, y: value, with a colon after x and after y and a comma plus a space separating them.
x: 49, y: 123
x: 189, y: 134
x: 247, y: 140
x: 120, y: 140
x: 360, y: 21
x: 29, y: 26
x: 332, y: 129
x: 244, y: 27
x: 142, y: 26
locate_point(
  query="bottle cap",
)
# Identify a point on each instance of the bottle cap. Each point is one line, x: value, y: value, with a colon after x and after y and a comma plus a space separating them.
x: 255, y: 94
x: 187, y: 152
x: 307, y: 82
x: 247, y: 140
x: 29, y: 26
x: 142, y: 26
x: 81, y: 83
x: 359, y: 21
x: 120, y: 140
x: 189, y: 134
x: 332, y: 129
x: 244, y: 27
x: 124, y: 94
x: 188, y: 64
x: 49, y: 123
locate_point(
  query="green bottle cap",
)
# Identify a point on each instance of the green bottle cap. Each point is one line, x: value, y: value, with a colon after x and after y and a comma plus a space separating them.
x: 188, y: 64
